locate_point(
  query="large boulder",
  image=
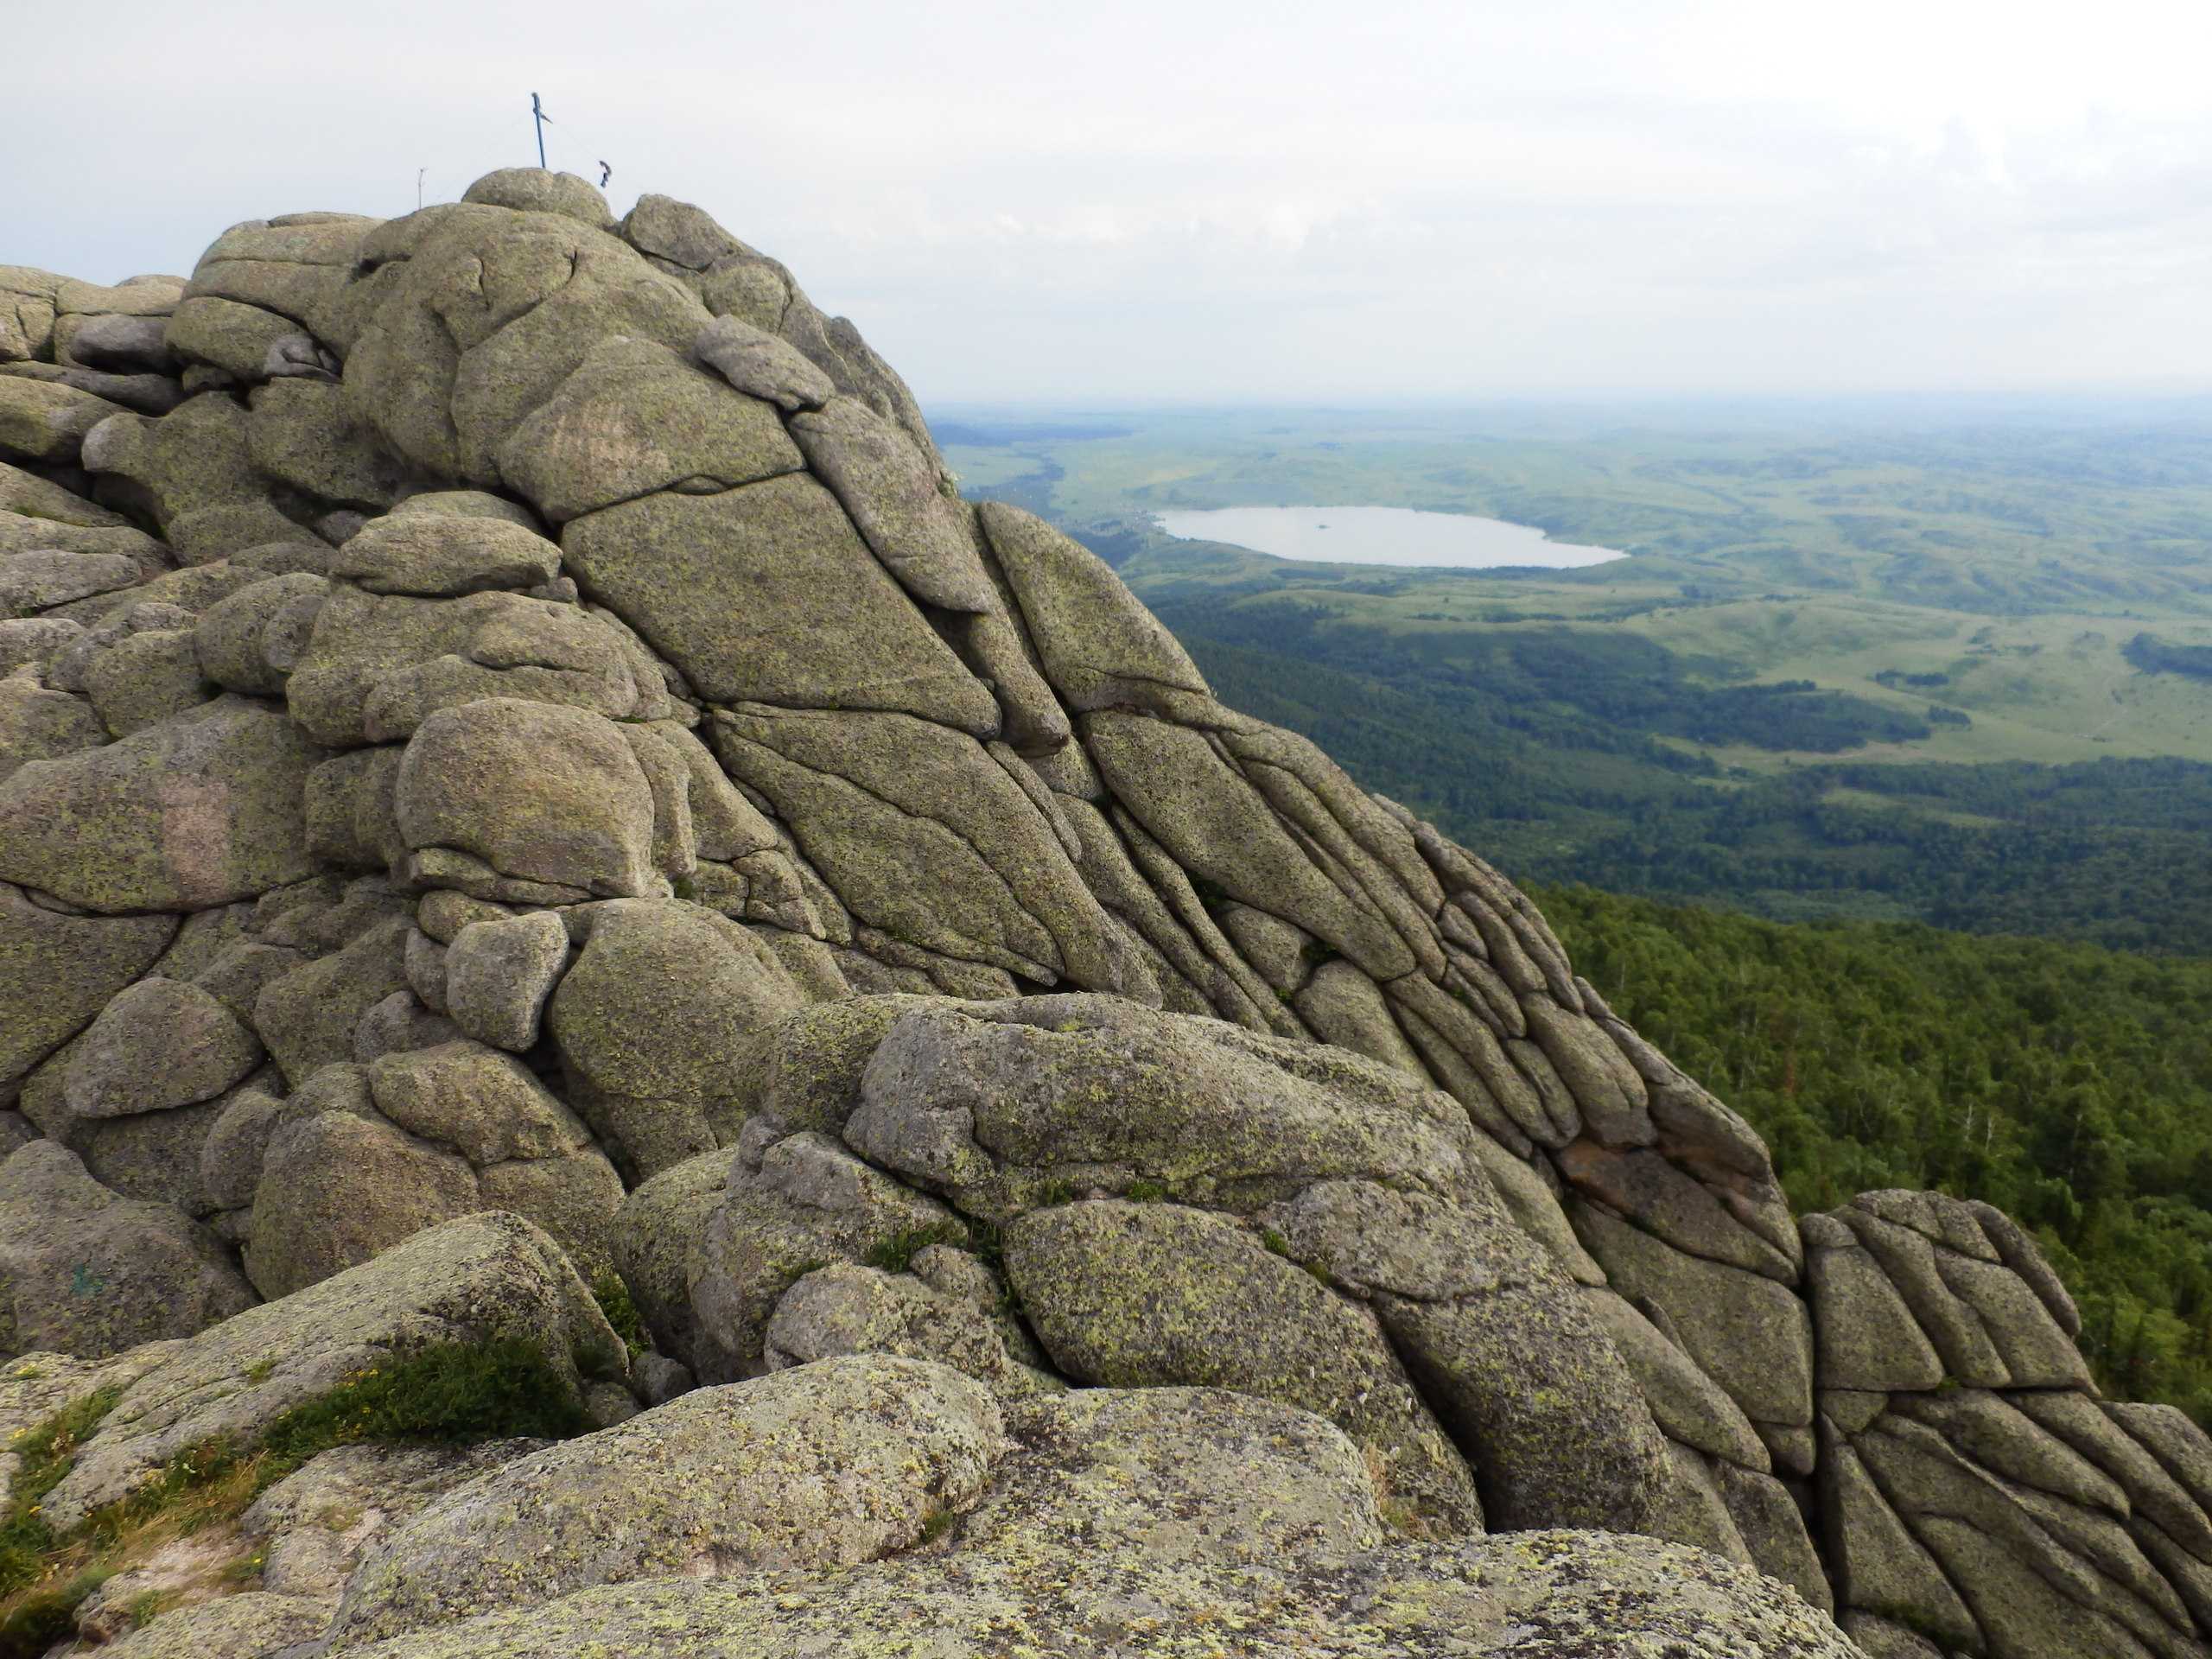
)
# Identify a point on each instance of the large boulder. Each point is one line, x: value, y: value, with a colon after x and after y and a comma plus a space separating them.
x: 161, y: 1044
x: 202, y: 809
x: 503, y: 790
x: 821, y: 1467
x: 657, y: 1023
x: 767, y: 594
x: 57, y: 970
x: 480, y: 1279
x: 1551, y: 1595
x: 85, y: 1271
x: 1125, y: 1295
x: 635, y: 418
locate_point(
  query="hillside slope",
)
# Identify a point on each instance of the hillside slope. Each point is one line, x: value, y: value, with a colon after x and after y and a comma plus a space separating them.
x: 531, y: 804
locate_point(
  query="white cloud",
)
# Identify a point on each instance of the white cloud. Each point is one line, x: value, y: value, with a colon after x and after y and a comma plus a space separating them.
x: 1224, y: 199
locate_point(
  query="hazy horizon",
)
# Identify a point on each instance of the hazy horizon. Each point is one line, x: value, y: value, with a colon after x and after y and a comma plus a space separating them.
x: 1232, y: 204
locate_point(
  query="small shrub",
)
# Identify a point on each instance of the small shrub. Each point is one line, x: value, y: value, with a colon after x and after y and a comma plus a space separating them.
x: 488, y: 1391
x: 936, y: 1524
x: 896, y: 1253
x: 614, y: 1300
x: 1276, y: 1242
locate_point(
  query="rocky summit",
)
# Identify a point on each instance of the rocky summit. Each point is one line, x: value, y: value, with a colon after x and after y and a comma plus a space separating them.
x: 527, y: 797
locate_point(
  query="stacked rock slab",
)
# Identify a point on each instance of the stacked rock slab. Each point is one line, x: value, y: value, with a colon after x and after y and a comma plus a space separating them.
x: 504, y: 708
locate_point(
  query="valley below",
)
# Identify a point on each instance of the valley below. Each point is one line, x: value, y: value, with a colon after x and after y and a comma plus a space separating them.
x: 1889, y: 661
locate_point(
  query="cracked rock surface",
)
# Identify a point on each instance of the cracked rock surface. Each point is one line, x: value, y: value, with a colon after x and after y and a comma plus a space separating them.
x: 518, y: 766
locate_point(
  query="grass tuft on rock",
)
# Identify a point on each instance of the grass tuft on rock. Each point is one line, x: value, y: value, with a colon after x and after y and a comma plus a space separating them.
x: 896, y: 1253
x: 458, y: 1393
x: 621, y: 1310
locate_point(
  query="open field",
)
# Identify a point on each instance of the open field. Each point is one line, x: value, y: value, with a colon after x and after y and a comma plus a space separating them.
x: 1861, y: 660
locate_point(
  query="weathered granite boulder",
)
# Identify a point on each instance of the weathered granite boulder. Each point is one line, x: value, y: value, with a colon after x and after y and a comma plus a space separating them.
x: 85, y: 1271
x: 826, y: 1466
x: 572, y: 786
x: 482, y: 1277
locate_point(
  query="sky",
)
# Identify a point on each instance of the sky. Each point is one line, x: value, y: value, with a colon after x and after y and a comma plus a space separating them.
x: 1212, y: 202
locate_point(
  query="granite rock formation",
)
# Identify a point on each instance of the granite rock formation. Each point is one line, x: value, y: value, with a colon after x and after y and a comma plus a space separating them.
x: 517, y: 764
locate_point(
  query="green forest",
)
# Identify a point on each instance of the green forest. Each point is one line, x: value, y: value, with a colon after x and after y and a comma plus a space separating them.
x: 1548, y: 749
x: 2067, y: 1085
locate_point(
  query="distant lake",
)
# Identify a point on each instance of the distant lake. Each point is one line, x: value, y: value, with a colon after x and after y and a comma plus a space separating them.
x: 1381, y: 536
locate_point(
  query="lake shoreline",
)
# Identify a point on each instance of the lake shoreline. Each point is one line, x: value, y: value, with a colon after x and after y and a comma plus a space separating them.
x: 1403, y: 538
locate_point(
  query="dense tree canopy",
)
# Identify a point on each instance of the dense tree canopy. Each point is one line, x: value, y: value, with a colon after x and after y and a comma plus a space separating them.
x: 2068, y: 1084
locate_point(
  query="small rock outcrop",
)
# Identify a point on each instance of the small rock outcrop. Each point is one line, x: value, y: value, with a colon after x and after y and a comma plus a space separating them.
x: 519, y: 771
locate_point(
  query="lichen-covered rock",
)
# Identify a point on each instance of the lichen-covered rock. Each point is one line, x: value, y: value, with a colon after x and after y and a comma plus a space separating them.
x: 820, y: 1467
x: 767, y: 594
x: 1102, y: 649
x: 471, y: 1280
x: 526, y: 793
x: 655, y: 1024
x: 378, y: 665
x: 48, y: 422
x: 1551, y: 1595
x: 258, y: 1624
x: 199, y: 810
x: 57, y: 970
x: 436, y: 556
x: 635, y: 417
x: 306, y: 1015
x: 85, y: 1271
x: 891, y: 491
x: 313, y: 1526
x: 532, y: 189
x: 1127, y: 1295
x: 160, y: 1044
x: 761, y: 365
x: 337, y: 1188
x: 498, y: 976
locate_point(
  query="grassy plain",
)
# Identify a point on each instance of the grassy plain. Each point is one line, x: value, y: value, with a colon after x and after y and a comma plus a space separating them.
x: 2012, y: 550
x: 1841, y: 632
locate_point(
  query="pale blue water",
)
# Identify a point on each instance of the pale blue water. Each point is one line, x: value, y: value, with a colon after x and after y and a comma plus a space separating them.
x: 1381, y: 536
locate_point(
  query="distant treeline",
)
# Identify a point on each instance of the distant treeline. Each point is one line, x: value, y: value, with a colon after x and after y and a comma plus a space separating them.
x: 2070, y: 1086
x: 997, y: 434
x: 2154, y: 656
x: 1548, y: 758
x: 1619, y: 679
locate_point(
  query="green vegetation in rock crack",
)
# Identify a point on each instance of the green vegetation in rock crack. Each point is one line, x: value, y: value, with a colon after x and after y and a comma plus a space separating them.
x: 1055, y: 1193
x: 936, y: 1524
x: 987, y: 1242
x: 896, y: 1253
x: 47, y: 1452
x: 1275, y: 1243
x: 614, y: 1300
x: 459, y: 1394
x: 1403, y: 1518
x: 261, y: 1370
x: 144, y: 1609
x: 685, y: 888
x: 1144, y: 1191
